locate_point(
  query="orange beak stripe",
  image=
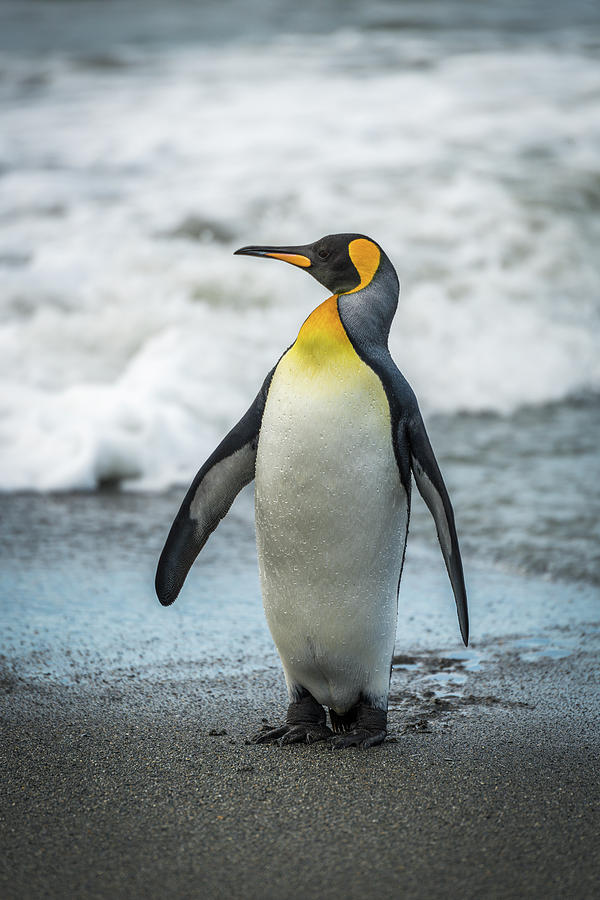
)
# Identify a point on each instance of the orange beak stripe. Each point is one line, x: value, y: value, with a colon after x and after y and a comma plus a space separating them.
x: 294, y: 258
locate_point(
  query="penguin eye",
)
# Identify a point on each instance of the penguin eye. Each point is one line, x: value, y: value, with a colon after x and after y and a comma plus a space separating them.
x: 322, y: 253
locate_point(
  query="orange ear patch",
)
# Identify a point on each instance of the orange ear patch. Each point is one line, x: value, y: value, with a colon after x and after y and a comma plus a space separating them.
x: 366, y: 257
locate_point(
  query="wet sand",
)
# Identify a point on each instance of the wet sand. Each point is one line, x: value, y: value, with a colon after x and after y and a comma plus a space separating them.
x: 140, y: 783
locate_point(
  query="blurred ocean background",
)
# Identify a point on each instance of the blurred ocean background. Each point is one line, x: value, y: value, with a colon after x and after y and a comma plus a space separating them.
x: 141, y: 143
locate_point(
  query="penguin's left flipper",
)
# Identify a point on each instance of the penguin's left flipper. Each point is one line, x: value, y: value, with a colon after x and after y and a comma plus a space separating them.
x: 433, y: 490
x: 209, y: 498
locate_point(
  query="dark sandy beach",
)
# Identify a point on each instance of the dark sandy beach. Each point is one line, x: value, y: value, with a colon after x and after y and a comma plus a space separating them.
x: 139, y: 784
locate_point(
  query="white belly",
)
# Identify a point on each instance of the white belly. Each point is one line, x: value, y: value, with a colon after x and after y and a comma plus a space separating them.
x: 331, y: 518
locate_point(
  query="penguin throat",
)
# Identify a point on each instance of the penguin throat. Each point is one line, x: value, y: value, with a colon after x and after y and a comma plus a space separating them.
x: 322, y: 363
x: 323, y: 334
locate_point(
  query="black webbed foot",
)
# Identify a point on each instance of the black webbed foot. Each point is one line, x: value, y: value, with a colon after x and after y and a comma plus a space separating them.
x: 305, y: 724
x: 359, y: 737
x: 363, y: 726
x: 292, y: 734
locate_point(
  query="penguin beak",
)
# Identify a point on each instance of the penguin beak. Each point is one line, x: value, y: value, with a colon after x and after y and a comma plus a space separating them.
x: 287, y: 254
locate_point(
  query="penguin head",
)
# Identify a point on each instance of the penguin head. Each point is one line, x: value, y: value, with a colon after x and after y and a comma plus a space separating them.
x: 343, y: 263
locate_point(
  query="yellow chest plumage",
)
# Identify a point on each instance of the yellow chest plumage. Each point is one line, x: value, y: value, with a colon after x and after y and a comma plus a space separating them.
x: 323, y: 361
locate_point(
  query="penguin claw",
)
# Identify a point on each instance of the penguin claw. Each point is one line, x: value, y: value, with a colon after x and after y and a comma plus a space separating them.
x: 268, y: 734
x: 359, y: 737
x: 305, y: 734
x: 292, y: 734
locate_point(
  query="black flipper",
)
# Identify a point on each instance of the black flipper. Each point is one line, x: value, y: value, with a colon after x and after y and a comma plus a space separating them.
x: 433, y: 490
x: 209, y: 498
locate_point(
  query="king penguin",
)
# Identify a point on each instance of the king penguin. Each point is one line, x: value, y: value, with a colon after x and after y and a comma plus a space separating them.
x: 331, y: 439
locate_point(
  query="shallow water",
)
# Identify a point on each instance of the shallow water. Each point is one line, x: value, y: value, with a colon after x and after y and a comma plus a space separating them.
x: 76, y: 582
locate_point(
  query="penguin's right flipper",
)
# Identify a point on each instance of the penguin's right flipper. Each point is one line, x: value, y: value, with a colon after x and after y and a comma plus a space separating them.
x: 209, y: 498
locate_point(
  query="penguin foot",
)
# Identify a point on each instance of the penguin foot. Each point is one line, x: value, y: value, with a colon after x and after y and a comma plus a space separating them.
x: 293, y: 734
x: 305, y: 723
x: 362, y: 738
x: 362, y: 726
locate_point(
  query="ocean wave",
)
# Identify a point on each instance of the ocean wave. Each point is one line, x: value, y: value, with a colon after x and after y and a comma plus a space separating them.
x: 130, y: 339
